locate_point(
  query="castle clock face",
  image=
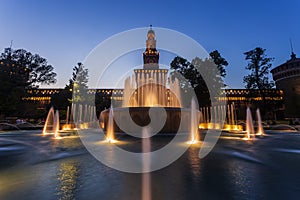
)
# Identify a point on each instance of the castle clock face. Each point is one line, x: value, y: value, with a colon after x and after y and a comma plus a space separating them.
x: 150, y: 60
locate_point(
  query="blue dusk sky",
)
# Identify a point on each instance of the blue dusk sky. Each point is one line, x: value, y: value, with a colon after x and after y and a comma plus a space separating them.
x: 65, y: 31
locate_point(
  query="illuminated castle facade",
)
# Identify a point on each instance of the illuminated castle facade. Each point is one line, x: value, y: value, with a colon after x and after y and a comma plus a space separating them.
x: 148, y: 86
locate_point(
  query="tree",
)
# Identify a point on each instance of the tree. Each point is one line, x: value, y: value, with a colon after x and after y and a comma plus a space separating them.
x: 191, y: 71
x: 190, y: 77
x: 31, y: 70
x: 259, y: 64
x: 78, y: 83
x: 75, y: 91
x: 21, y: 70
x: 220, y: 62
x: 199, y: 74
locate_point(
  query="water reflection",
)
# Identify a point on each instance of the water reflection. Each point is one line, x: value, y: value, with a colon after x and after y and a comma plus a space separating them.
x: 68, y: 174
x: 266, y: 169
x: 68, y: 143
x: 194, y: 161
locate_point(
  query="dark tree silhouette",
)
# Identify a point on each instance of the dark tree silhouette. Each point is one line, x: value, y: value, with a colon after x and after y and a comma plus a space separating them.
x: 259, y: 65
x: 75, y: 91
x: 190, y: 76
x: 220, y: 62
x: 29, y: 69
x: 21, y: 70
x: 78, y: 83
x: 199, y: 74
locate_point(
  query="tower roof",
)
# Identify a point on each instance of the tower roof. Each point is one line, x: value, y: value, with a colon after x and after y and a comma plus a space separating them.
x: 151, y: 31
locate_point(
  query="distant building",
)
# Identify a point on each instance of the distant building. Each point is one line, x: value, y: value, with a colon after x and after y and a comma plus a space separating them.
x: 240, y: 97
x: 287, y: 78
x: 148, y: 87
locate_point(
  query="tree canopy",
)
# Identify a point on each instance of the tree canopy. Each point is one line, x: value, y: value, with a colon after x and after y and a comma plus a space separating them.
x: 29, y: 69
x: 220, y: 62
x: 21, y: 70
x: 78, y: 83
x: 74, y: 91
x: 259, y: 64
x: 200, y: 73
x: 192, y: 70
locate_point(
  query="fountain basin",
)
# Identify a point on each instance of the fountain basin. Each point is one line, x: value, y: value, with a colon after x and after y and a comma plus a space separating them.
x: 140, y: 115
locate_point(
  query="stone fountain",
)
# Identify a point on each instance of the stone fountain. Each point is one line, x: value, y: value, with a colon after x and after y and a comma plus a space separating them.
x: 148, y: 89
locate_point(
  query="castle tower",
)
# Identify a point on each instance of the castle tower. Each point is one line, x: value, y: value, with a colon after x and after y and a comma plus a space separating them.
x: 151, y: 55
x: 287, y: 78
x: 151, y: 81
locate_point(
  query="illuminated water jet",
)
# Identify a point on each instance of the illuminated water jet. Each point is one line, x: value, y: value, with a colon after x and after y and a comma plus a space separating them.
x: 68, y: 115
x: 213, y: 117
x: 52, y: 124
x: 49, y: 123
x: 146, y: 177
x: 194, y: 132
x: 56, y: 125
x: 150, y: 87
x: 249, y: 125
x: 110, y: 136
x: 260, y: 129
